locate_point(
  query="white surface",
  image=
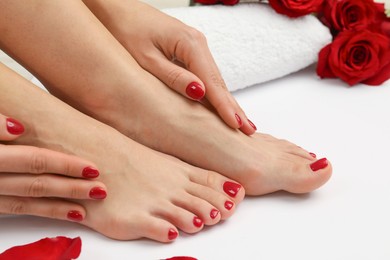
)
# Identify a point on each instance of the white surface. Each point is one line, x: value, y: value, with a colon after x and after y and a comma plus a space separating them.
x: 348, y: 218
x: 248, y: 48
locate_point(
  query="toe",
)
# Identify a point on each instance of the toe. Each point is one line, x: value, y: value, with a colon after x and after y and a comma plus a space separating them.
x: 158, y: 229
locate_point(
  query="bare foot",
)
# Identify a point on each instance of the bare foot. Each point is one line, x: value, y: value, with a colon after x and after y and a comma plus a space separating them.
x: 187, y: 130
x: 149, y: 194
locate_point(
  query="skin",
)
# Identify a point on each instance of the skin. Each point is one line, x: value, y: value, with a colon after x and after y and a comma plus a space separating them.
x: 153, y: 200
x: 29, y: 176
x: 97, y: 75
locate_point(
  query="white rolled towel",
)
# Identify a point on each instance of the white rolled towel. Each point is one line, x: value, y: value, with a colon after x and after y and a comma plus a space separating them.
x: 252, y: 44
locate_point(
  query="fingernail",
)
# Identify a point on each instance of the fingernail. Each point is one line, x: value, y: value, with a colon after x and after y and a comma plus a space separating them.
x: 229, y: 205
x: 313, y: 155
x: 252, y: 125
x: 172, y: 234
x: 194, y: 90
x: 320, y: 164
x: 74, y: 215
x: 97, y: 193
x: 90, y: 172
x: 231, y: 188
x: 197, y: 222
x: 239, y: 121
x: 214, y: 213
x: 14, y: 127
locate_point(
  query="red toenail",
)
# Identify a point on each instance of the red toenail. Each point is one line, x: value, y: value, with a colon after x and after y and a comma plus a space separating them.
x: 231, y: 188
x: 197, y: 222
x: 313, y: 155
x: 194, y: 90
x: 239, y: 121
x: 74, y: 215
x: 320, y: 164
x: 172, y: 234
x: 97, y: 193
x: 229, y: 205
x: 252, y: 124
x: 214, y: 213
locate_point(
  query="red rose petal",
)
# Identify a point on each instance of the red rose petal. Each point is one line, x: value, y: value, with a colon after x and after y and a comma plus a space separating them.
x: 181, y: 258
x: 58, y: 248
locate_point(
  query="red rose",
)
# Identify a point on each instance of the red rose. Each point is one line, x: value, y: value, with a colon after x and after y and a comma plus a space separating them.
x: 296, y: 8
x: 340, y: 15
x: 356, y: 56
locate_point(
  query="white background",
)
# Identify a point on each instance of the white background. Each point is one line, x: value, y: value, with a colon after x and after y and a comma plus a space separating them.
x: 348, y: 218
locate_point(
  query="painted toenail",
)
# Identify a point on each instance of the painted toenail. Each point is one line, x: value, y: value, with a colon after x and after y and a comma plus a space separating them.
x: 229, y: 205
x: 97, y: 193
x: 194, y: 90
x: 313, y: 155
x: 214, y: 213
x: 252, y: 124
x: 172, y: 234
x: 197, y: 222
x: 239, y: 121
x: 231, y: 188
x: 90, y: 172
x: 320, y: 164
x: 74, y: 215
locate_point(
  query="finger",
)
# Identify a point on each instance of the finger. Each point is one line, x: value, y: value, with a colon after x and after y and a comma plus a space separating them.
x: 42, y: 207
x: 10, y: 128
x: 28, y: 159
x: 46, y: 185
x: 203, y: 64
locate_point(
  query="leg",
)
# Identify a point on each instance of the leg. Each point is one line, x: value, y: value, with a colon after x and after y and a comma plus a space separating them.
x: 149, y: 194
x: 104, y: 81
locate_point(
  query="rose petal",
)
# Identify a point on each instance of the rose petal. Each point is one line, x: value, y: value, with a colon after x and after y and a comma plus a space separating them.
x: 181, y: 258
x: 58, y: 248
x: 380, y: 77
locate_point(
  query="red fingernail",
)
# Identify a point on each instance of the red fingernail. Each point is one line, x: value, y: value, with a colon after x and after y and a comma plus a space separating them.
x: 313, y: 155
x: 97, y: 193
x: 74, y: 215
x: 239, y: 121
x: 197, y: 222
x: 172, y: 234
x: 90, y: 172
x: 14, y: 127
x: 320, y: 164
x: 214, y: 213
x: 194, y: 90
x: 229, y: 205
x: 231, y: 188
x: 252, y: 125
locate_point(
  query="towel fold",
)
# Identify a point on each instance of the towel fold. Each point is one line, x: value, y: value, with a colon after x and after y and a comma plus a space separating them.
x: 252, y: 44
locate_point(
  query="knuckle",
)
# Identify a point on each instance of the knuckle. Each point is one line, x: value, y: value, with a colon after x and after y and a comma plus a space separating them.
x: 38, y: 162
x: 174, y: 76
x: 194, y: 36
x: 18, y: 207
x: 37, y: 188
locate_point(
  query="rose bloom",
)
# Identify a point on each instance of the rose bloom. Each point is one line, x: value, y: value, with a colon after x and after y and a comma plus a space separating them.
x: 296, y: 8
x: 340, y: 15
x: 356, y: 56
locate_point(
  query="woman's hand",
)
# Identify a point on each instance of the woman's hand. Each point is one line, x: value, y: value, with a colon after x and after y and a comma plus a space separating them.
x: 35, y: 181
x: 173, y: 52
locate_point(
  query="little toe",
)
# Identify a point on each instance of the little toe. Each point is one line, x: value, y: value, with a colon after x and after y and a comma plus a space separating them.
x: 158, y: 229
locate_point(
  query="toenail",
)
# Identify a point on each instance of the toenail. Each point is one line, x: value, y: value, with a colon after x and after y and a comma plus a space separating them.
x: 195, y: 91
x: 231, y: 188
x: 74, y: 215
x: 197, y: 222
x: 214, y: 213
x: 252, y: 124
x: 172, y: 234
x: 313, y: 155
x: 229, y: 205
x: 90, y: 172
x: 97, y: 193
x: 239, y: 121
x: 320, y: 164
